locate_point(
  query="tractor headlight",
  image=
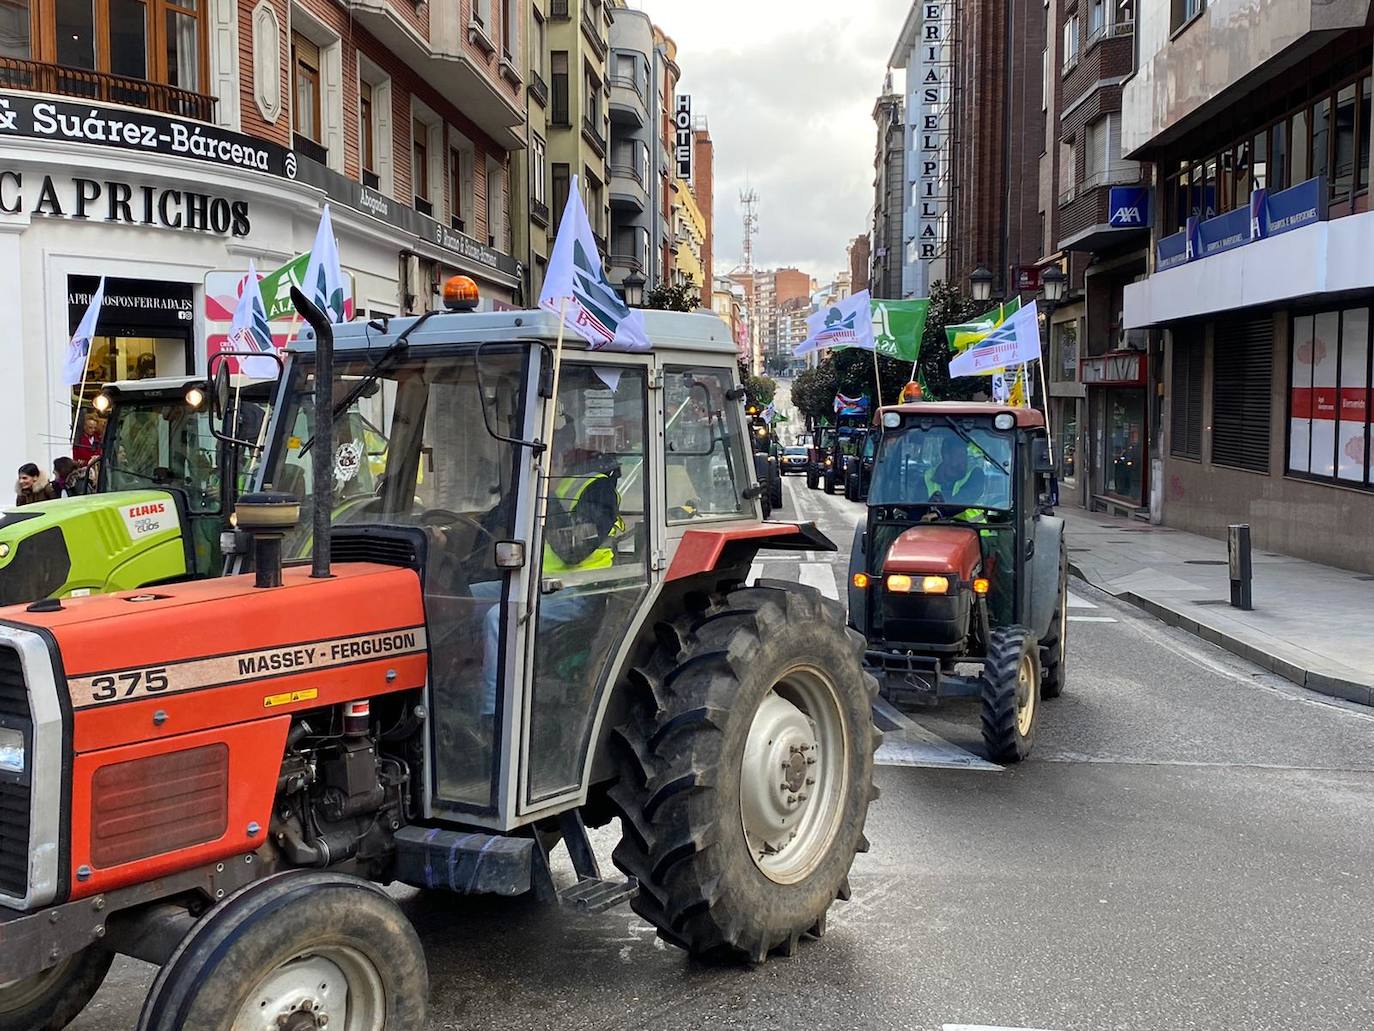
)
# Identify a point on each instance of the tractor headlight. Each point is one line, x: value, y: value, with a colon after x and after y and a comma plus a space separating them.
x: 11, y: 750
x: 900, y: 583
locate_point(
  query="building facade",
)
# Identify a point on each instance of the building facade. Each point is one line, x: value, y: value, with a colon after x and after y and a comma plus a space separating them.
x: 890, y: 192
x: 688, y: 246
x: 704, y: 192
x: 860, y: 255
x: 1256, y: 123
x: 214, y: 134
x: 635, y: 155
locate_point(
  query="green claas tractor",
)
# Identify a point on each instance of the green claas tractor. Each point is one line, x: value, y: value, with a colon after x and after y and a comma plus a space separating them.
x: 163, y: 489
x: 959, y: 576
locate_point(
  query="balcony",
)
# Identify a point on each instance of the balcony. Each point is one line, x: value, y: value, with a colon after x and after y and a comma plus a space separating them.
x: 623, y: 264
x: 1084, y: 213
x: 628, y: 192
x: 539, y: 89
x: 539, y: 212
x: 309, y: 148
x: 39, y: 77
x: 593, y: 33
x: 627, y: 104
x: 1107, y: 56
x: 591, y: 132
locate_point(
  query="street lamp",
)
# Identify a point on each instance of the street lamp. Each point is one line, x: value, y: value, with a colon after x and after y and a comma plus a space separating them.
x: 1054, y: 284
x: 980, y: 282
x: 634, y: 289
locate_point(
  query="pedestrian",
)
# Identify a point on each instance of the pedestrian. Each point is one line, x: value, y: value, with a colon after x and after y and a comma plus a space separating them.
x: 87, y: 443
x: 33, y: 485
x: 65, y: 474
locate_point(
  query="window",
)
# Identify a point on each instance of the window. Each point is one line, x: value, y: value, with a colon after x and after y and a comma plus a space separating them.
x: 1278, y: 156
x: 1299, y: 141
x: 1259, y: 167
x: 367, y: 135
x: 538, y: 171
x: 1096, y: 146
x: 1364, y: 122
x: 150, y: 40
x: 592, y: 102
x: 1185, y: 395
x: 1343, y: 163
x: 561, y: 113
x: 537, y: 46
x: 1321, y: 138
x: 1097, y: 17
x: 1242, y: 371
x: 419, y: 166
x: 496, y: 203
x: 1070, y: 40
x: 561, y: 186
x: 305, y: 88
x: 1066, y: 346
x: 1328, y: 400
x: 705, y: 470
x: 507, y: 30
x: 481, y: 13
x: 1184, y: 11
x: 456, y: 189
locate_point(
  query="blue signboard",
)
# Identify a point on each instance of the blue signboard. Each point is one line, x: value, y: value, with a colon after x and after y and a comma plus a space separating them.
x: 1292, y: 208
x: 1171, y: 251
x: 1128, y: 207
x: 1223, y: 233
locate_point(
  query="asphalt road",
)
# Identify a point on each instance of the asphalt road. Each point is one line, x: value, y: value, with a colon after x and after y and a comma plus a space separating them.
x: 1189, y: 847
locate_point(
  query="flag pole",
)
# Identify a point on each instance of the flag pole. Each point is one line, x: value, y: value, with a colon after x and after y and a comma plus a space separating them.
x: 1045, y: 393
x: 546, y: 459
x: 877, y: 381
x: 81, y: 391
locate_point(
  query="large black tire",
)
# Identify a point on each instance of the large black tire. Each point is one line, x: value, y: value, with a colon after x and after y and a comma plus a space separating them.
x: 1011, y: 694
x: 699, y: 747
x: 247, y: 953
x: 776, y: 488
x: 829, y: 477
x: 813, y: 478
x: 52, y: 999
x: 1052, y: 646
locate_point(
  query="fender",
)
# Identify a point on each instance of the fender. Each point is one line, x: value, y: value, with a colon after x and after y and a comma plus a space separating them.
x: 858, y: 563
x: 701, y: 551
x: 1044, y: 572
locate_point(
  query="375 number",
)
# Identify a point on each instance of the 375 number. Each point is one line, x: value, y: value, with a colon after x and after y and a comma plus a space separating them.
x: 128, y: 684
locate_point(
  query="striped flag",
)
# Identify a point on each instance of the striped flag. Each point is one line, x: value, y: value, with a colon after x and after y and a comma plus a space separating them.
x: 250, y: 331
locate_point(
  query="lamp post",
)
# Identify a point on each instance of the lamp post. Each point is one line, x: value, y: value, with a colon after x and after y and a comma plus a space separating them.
x: 633, y: 285
x: 980, y: 284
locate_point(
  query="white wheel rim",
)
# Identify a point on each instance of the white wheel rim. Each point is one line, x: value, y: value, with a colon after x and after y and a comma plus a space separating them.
x: 19, y: 993
x: 1026, y: 692
x: 330, y: 989
x: 794, y: 775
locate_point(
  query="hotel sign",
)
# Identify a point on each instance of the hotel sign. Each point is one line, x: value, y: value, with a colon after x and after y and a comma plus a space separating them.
x: 682, y: 137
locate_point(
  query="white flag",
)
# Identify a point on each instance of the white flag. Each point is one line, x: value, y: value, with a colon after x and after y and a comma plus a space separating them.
x: 847, y: 323
x: 324, y: 281
x: 250, y: 330
x: 1016, y: 340
x: 577, y: 286
x: 79, y: 350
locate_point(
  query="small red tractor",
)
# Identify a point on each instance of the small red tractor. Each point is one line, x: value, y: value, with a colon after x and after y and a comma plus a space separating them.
x: 959, y: 575
x: 527, y: 615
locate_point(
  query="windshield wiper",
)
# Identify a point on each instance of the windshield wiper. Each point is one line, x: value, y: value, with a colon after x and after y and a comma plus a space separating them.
x: 1006, y: 471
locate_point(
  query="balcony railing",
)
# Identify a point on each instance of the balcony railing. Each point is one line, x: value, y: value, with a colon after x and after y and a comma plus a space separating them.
x: 40, y: 77
x: 1125, y: 27
x: 305, y: 145
x: 628, y: 82
x: 539, y: 212
x: 1067, y: 197
x: 539, y: 89
x: 632, y: 262
x: 1112, y: 177
x: 628, y: 172
x: 593, y: 34
x: 592, y: 131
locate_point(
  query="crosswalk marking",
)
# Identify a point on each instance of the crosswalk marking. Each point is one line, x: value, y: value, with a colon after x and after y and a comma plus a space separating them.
x: 820, y: 575
x: 755, y: 571
x: 1075, y: 602
x: 1091, y: 619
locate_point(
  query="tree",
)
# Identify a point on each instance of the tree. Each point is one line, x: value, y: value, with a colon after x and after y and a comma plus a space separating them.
x: 760, y: 390
x: 813, y: 393
x: 667, y: 297
x: 948, y: 306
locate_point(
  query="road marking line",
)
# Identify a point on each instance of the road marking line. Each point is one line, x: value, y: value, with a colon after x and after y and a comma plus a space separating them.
x: 986, y: 1027
x: 820, y: 575
x: 1091, y: 619
x: 907, y: 743
x: 755, y: 571
x: 1075, y: 602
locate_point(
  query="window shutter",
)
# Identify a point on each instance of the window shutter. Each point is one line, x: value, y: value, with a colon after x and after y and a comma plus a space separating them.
x: 1242, y: 376
x: 1185, y: 395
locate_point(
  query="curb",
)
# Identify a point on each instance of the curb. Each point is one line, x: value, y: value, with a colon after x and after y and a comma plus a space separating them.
x: 1322, y: 683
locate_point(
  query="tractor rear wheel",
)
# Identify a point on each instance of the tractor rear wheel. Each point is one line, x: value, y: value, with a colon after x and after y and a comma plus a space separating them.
x: 1011, y: 694
x: 51, y: 999
x: 302, y: 951
x: 746, y: 772
x: 829, y: 477
x: 1052, y: 653
x: 813, y: 479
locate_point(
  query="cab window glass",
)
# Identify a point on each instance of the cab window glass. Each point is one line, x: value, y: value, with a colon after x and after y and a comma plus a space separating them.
x: 703, y: 455
x: 941, y: 465
x: 166, y: 446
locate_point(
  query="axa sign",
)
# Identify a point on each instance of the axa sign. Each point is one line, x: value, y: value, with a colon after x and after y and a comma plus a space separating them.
x: 1128, y: 207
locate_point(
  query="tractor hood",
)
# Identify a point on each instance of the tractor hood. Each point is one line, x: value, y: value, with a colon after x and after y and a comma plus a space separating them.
x: 950, y: 550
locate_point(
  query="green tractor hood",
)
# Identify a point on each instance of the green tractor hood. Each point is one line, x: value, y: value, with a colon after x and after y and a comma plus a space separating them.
x: 92, y: 544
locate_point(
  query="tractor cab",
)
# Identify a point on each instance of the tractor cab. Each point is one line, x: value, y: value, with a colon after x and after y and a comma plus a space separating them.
x: 152, y: 504
x: 961, y: 562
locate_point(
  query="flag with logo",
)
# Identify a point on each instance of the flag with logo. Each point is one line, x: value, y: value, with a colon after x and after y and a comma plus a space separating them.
x: 324, y: 281
x: 846, y: 323
x: 577, y: 287
x: 963, y: 335
x: 898, y: 327
x: 847, y: 406
x: 1016, y: 340
x: 250, y: 331
x: 276, y: 286
x: 79, y: 349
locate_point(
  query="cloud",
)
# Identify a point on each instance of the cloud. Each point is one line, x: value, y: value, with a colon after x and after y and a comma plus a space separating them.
x: 788, y: 90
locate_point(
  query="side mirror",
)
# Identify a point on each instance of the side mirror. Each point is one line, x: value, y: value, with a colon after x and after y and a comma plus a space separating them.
x: 223, y: 403
x: 220, y: 391
x: 545, y: 389
x: 1040, y: 456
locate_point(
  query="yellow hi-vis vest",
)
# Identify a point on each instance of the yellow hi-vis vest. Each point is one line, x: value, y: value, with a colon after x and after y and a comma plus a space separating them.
x: 569, y: 492
x: 969, y: 515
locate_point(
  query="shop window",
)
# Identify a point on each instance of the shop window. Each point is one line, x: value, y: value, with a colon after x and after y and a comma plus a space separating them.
x: 1242, y: 374
x: 1066, y: 349
x: 1328, y: 400
x: 1185, y: 395
x: 1066, y: 436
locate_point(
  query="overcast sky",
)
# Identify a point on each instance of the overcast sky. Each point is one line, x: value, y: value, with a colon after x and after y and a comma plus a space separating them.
x: 788, y: 89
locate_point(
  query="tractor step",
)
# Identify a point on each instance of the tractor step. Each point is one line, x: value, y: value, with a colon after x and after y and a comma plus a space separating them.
x: 596, y: 894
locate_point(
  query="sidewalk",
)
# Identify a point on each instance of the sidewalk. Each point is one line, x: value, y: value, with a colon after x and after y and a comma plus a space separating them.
x: 1310, y: 623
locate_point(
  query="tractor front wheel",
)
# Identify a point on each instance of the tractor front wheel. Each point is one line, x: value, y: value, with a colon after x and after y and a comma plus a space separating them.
x: 1052, y: 646
x: 746, y: 772
x: 302, y: 950
x: 52, y: 999
x: 1011, y: 694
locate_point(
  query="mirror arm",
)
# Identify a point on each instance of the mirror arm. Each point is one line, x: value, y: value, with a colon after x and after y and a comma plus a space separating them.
x: 537, y: 446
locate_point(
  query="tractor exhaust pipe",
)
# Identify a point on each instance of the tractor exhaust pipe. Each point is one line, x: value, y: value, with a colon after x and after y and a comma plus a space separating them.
x: 322, y: 475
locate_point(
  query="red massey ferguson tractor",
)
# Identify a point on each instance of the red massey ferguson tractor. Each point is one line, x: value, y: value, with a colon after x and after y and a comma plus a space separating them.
x: 217, y: 776
x: 959, y: 575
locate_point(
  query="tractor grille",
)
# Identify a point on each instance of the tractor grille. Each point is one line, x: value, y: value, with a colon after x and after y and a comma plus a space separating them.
x: 14, y: 796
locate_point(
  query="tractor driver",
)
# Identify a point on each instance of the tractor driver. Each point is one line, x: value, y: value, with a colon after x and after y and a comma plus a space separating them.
x: 955, y: 479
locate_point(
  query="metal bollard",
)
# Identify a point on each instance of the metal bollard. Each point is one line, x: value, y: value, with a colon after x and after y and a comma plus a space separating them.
x: 1238, y: 554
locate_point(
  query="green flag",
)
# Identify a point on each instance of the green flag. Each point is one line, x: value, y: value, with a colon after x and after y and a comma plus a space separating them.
x: 898, y: 327
x: 276, y: 286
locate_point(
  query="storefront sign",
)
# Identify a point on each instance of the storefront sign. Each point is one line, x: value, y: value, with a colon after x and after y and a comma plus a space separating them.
x: 1223, y: 233
x: 1128, y: 207
x: 35, y: 117
x: 106, y: 200
x: 1267, y: 214
x: 682, y: 137
x: 144, y: 304
x: 1120, y: 368
x: 1171, y: 251
x: 1027, y: 278
x: 1274, y: 213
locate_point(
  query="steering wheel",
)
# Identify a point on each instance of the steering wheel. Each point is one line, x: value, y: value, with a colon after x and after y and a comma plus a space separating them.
x: 442, y: 517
